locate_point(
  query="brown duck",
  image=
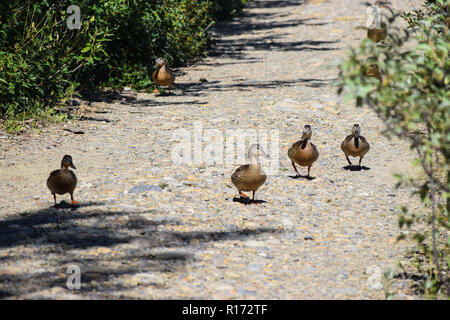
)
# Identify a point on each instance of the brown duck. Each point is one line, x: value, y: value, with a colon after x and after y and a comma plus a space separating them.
x: 355, y: 145
x: 303, y: 152
x: 377, y: 31
x: 162, y: 76
x: 250, y: 177
x: 373, y: 70
x: 63, y: 181
x: 377, y: 35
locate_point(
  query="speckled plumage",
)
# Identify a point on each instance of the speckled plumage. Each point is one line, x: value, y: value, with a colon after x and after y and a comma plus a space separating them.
x: 248, y: 177
x: 376, y: 35
x: 303, y: 153
x: 163, y: 75
x: 355, y: 145
x: 64, y: 180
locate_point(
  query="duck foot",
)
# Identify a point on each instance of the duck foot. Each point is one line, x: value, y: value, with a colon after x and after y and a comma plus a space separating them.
x: 74, y: 203
x: 244, y: 195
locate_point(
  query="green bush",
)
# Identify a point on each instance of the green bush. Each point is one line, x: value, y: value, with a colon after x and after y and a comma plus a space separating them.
x: 141, y: 31
x: 40, y: 58
x: 413, y: 98
x: 225, y: 9
x: 42, y: 62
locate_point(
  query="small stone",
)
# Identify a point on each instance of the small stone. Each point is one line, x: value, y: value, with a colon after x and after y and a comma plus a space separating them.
x: 144, y: 188
x: 173, y: 255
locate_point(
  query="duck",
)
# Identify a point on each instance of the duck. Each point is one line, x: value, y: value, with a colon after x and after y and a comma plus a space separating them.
x: 373, y: 70
x: 376, y: 31
x: 304, y: 152
x: 163, y: 75
x: 377, y: 35
x: 355, y: 145
x: 63, y: 181
x: 250, y: 177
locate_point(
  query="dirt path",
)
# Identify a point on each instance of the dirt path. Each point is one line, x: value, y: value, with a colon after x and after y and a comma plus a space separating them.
x: 152, y: 229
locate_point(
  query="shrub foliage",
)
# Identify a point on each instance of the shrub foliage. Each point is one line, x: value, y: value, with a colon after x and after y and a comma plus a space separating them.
x: 42, y: 62
x: 412, y: 97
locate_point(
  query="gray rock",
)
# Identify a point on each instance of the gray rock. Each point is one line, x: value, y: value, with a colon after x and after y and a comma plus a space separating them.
x: 144, y: 188
x: 174, y: 255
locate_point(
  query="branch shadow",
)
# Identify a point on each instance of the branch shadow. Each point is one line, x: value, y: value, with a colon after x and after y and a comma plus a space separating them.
x: 156, y: 103
x: 275, y: 3
x: 250, y: 22
x: 197, y: 89
x: 110, y: 247
x: 236, y: 48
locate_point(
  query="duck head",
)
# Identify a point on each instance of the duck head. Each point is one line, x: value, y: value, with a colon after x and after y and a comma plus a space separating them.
x: 160, y: 62
x: 255, y: 151
x: 356, y: 130
x: 307, y: 132
x: 67, y: 162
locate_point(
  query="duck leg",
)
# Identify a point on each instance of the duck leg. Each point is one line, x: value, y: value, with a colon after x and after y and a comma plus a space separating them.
x: 243, y: 194
x: 156, y: 90
x: 295, y: 168
x: 73, y: 202
x: 309, y: 170
x: 349, y: 162
x: 54, y: 198
x: 253, y: 196
x: 360, y: 159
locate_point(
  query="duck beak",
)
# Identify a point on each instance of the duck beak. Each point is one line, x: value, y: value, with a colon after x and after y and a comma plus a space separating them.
x: 72, y: 166
x: 265, y: 155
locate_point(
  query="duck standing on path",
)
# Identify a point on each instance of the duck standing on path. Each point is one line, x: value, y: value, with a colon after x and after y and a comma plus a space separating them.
x: 63, y: 181
x: 250, y: 177
x: 303, y: 152
x: 355, y: 145
x: 376, y: 30
x: 162, y: 76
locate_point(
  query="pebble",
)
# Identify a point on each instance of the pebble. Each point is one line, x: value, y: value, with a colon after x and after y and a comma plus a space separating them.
x: 144, y: 188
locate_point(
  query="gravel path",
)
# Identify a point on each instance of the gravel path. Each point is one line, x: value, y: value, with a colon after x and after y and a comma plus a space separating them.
x: 151, y: 229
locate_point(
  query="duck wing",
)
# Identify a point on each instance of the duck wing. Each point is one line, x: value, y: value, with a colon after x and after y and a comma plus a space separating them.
x: 155, y: 74
x: 239, y: 172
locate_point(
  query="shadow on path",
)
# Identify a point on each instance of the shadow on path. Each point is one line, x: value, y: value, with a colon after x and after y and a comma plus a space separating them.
x: 106, y: 245
x: 355, y: 168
